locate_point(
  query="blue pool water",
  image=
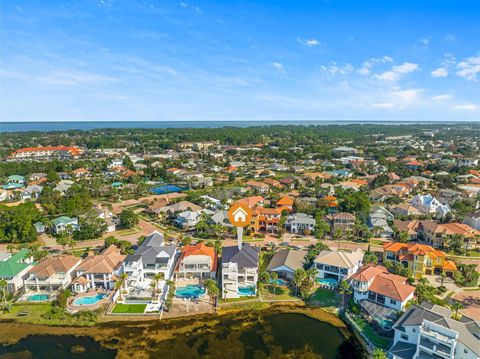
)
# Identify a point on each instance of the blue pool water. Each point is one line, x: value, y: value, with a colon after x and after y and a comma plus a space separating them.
x: 327, y: 281
x: 280, y: 282
x: 246, y: 291
x: 387, y: 324
x: 37, y: 297
x: 189, y: 291
x: 89, y: 300
x: 169, y: 188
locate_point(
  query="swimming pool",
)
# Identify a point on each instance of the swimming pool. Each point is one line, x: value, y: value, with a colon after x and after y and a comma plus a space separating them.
x: 169, y: 188
x: 37, y: 297
x: 190, y: 291
x: 386, y: 324
x: 279, y: 282
x: 89, y: 300
x: 246, y: 291
x: 327, y: 281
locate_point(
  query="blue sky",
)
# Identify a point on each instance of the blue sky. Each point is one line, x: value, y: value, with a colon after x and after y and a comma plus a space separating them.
x: 239, y: 60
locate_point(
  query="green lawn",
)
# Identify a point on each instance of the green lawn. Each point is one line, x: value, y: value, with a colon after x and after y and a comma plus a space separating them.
x: 324, y: 298
x: 279, y: 293
x: 129, y: 308
x: 379, y: 341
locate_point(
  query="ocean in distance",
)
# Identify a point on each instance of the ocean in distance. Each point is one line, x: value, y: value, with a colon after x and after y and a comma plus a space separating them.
x: 92, y: 125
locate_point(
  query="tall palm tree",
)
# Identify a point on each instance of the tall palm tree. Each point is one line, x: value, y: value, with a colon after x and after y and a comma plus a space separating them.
x: 119, y: 284
x: 299, y: 277
x: 456, y: 306
x: 212, y: 289
x: 157, y: 278
x: 344, y: 289
x: 273, y: 281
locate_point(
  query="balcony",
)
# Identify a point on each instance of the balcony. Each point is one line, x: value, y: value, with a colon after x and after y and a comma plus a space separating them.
x: 439, y: 349
x: 441, y: 338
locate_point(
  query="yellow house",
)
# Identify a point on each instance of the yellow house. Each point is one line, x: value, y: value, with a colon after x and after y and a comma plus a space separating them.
x: 420, y: 258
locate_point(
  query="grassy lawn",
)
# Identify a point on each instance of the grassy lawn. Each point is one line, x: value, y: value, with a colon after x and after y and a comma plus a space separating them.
x: 376, y: 242
x: 239, y: 299
x: 79, y: 252
x: 324, y: 298
x: 279, y: 293
x: 41, y: 313
x: 125, y: 232
x: 129, y: 308
x: 371, y: 334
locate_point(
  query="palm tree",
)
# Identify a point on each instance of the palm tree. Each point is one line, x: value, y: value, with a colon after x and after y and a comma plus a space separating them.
x: 344, y: 289
x: 379, y: 354
x: 157, y: 278
x: 299, y: 277
x: 273, y: 281
x: 153, y: 284
x: 442, y: 276
x: 10, y: 247
x: 119, y: 284
x: 212, y: 289
x: 456, y: 306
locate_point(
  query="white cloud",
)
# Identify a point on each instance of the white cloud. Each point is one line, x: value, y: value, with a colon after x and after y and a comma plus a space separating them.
x: 182, y: 4
x: 469, y: 68
x: 440, y: 72
x: 368, y: 64
x: 407, y: 96
x: 309, y: 42
x: 444, y: 97
x: 388, y: 76
x: 405, y: 68
x: 425, y: 40
x: 334, y: 69
x: 397, y: 71
x: 466, y: 107
x: 278, y: 66
x: 75, y: 78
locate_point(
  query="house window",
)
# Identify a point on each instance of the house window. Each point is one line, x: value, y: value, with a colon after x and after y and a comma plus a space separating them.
x: 414, y: 330
x: 392, y: 301
x: 465, y: 351
x: 404, y: 336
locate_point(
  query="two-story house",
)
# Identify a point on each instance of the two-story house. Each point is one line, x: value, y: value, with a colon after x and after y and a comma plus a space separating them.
x: 64, y: 224
x: 343, y: 221
x: 300, y: 223
x: 152, y: 257
x: 14, y: 267
x: 420, y: 258
x: 239, y: 271
x: 428, y: 331
x: 197, y: 261
x: 52, y: 273
x: 375, y: 284
x: 265, y: 219
x: 427, y: 204
x: 98, y: 271
x: 338, y: 265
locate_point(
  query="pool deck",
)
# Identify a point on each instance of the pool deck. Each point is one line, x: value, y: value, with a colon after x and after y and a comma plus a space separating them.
x: 24, y: 297
x: 75, y: 308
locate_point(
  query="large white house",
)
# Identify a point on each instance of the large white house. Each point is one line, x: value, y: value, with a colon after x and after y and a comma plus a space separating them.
x: 375, y: 284
x: 152, y: 257
x: 427, y: 204
x: 337, y: 264
x: 52, y: 273
x: 427, y: 331
x: 239, y: 271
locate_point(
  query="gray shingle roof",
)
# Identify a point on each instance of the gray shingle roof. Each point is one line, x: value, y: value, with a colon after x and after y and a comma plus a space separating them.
x: 247, y: 257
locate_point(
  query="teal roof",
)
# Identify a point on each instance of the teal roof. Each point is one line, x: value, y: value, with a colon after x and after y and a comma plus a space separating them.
x: 14, y: 264
x: 12, y: 185
x: 63, y: 220
x: 117, y: 184
x: 16, y: 178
